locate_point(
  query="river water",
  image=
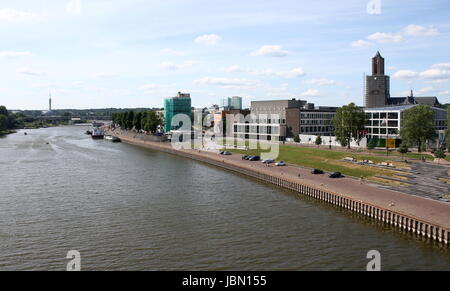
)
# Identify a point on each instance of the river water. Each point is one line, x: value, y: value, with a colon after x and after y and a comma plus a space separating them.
x: 128, y: 208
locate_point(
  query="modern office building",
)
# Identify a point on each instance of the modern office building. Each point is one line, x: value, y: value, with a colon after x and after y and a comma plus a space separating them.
x: 232, y: 103
x: 384, y: 123
x: 180, y: 104
x: 278, y: 119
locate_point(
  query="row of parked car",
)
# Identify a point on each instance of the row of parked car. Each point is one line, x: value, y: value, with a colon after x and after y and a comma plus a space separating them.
x: 331, y: 175
x: 282, y: 163
x: 268, y: 161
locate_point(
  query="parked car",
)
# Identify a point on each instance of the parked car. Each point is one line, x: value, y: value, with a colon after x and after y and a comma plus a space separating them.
x: 280, y: 164
x: 268, y: 161
x: 226, y: 153
x: 316, y: 172
x: 244, y: 157
x: 248, y: 158
x: 335, y: 175
x: 254, y: 158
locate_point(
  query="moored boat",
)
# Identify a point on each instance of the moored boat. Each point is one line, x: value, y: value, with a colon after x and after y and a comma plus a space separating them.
x: 112, y: 138
x: 97, y: 133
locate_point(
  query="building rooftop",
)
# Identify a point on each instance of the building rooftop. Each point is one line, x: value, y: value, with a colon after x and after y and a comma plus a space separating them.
x: 398, y: 108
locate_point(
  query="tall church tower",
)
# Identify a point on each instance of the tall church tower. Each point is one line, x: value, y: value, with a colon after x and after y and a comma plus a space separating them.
x: 377, y: 85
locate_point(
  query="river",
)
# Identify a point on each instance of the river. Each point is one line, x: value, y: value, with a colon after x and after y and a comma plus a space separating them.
x: 128, y: 208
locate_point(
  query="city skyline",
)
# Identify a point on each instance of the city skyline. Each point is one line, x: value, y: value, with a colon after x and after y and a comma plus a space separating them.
x: 102, y: 54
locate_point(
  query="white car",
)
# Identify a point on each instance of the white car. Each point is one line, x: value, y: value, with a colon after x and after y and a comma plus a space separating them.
x: 269, y: 161
x: 280, y: 163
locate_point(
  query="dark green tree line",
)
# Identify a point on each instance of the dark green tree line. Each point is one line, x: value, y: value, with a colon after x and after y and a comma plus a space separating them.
x: 147, y: 120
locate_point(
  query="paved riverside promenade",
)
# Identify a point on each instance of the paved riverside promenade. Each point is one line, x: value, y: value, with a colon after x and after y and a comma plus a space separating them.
x: 424, y: 216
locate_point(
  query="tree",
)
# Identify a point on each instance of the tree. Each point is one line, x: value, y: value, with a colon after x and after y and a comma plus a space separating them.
x: 439, y: 154
x: 318, y: 141
x: 124, y: 120
x: 152, y: 121
x: 137, y: 122
x: 3, y: 111
x: 348, y: 122
x: 418, y: 126
x: 297, y: 138
x: 130, y: 120
x: 3, y: 122
x: 403, y: 149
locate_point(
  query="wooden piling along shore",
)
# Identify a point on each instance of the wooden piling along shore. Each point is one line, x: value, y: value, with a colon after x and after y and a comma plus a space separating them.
x: 414, y: 222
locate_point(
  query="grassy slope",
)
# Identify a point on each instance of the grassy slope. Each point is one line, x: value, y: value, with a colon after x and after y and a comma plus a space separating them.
x: 327, y: 160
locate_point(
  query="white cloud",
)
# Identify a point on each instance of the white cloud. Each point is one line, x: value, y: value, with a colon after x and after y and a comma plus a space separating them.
x: 11, y: 54
x: 293, y: 73
x: 105, y: 75
x: 73, y: 7
x: 411, y: 30
x: 321, y: 82
x: 170, y: 66
x: 208, y: 39
x: 311, y: 93
x: 435, y: 74
x: 442, y: 66
x: 270, y: 51
x: 31, y: 72
x: 361, y: 43
x: 444, y: 93
x: 11, y: 15
x: 438, y: 72
x: 386, y: 37
x: 425, y: 90
x: 417, y: 30
x: 405, y: 74
x: 172, y: 52
x: 228, y: 83
x: 236, y: 69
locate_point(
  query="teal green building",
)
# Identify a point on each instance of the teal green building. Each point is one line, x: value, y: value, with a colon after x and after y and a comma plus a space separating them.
x: 181, y: 104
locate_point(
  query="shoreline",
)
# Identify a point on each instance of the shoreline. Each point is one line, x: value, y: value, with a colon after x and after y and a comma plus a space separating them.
x: 422, y: 216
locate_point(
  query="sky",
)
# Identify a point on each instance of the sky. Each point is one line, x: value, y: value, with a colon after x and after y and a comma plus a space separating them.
x: 134, y: 53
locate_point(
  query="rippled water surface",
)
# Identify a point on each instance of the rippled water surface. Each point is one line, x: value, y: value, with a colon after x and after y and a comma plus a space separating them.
x: 128, y: 208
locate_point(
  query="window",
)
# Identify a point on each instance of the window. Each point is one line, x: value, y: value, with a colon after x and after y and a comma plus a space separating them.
x: 392, y: 123
x: 392, y: 115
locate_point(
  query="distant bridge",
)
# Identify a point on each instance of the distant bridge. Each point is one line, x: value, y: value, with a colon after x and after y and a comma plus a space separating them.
x: 73, y: 119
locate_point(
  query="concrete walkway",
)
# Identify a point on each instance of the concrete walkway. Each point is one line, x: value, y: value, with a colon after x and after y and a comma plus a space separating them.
x: 423, y: 209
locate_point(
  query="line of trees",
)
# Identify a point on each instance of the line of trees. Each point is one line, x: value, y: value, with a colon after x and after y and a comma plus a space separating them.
x: 9, y: 121
x: 140, y: 120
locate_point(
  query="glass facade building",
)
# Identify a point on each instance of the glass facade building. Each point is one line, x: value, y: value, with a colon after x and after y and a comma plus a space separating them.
x: 181, y: 104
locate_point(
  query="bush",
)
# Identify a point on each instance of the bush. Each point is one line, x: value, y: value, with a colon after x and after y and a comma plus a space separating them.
x: 439, y: 153
x: 297, y: 138
x: 403, y: 149
x: 372, y: 144
x: 318, y: 140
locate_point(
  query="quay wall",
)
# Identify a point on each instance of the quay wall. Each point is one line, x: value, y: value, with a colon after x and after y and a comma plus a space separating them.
x: 402, y: 221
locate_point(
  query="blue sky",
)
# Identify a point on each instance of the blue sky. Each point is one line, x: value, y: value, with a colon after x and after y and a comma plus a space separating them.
x: 133, y: 53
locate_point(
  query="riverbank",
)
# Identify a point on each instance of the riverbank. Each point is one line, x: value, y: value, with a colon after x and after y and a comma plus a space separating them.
x: 6, y: 132
x: 419, y: 215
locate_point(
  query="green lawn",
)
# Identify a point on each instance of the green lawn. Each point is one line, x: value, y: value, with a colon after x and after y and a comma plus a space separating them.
x: 327, y: 160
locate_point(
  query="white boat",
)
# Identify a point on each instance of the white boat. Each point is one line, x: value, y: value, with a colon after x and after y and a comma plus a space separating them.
x: 97, y: 133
